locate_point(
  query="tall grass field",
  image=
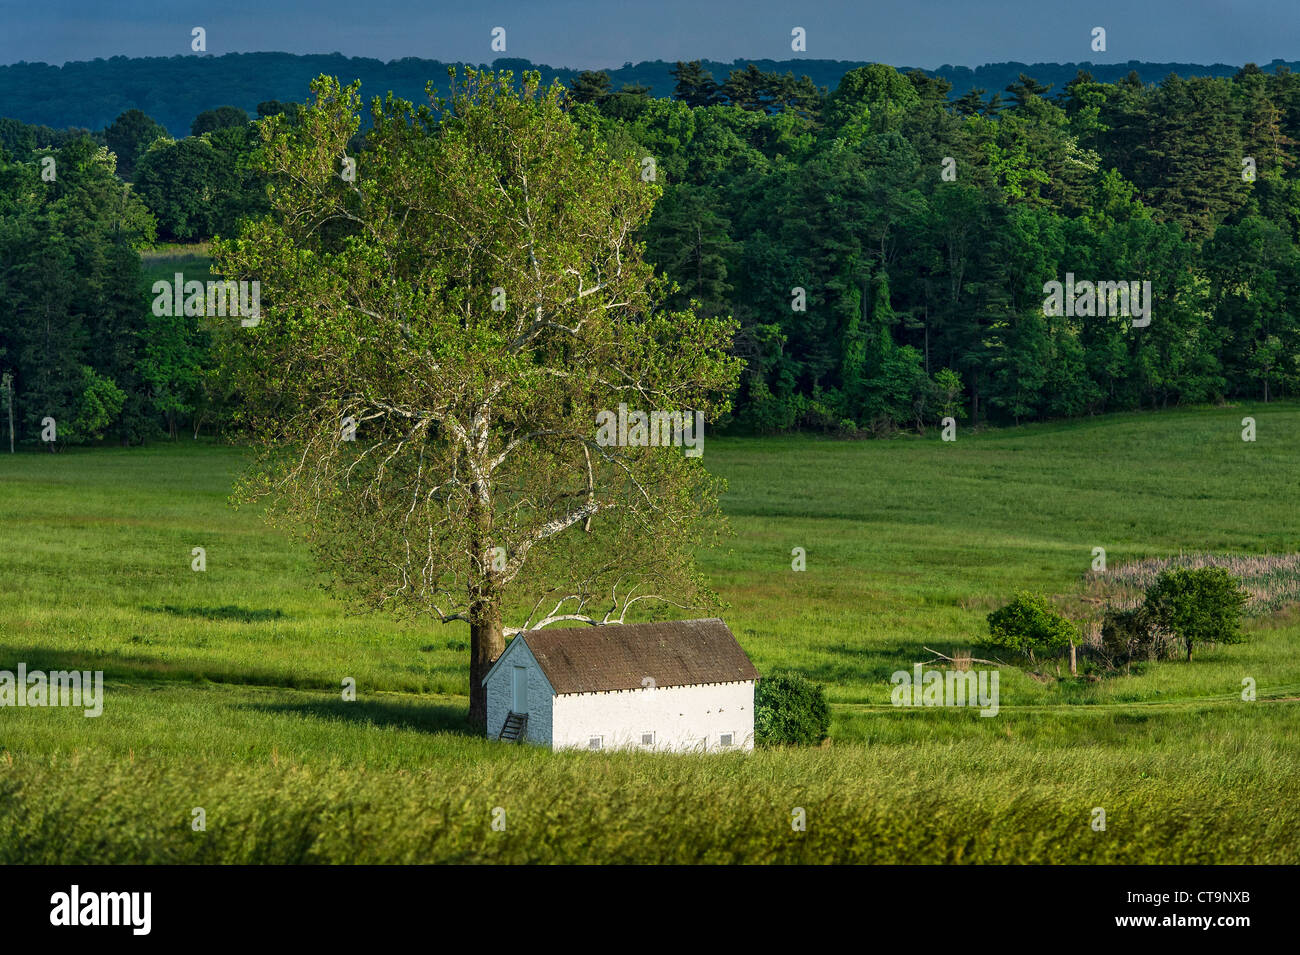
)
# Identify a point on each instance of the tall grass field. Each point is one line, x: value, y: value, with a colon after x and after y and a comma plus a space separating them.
x: 223, y: 688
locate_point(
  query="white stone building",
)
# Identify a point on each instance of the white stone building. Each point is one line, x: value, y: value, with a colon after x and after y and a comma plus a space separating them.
x: 681, y: 685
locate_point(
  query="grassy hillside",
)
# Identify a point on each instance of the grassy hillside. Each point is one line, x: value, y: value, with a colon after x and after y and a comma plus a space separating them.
x: 223, y: 686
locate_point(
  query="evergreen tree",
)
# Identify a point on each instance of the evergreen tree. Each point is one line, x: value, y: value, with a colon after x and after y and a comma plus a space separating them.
x: 590, y: 87
x: 695, y: 85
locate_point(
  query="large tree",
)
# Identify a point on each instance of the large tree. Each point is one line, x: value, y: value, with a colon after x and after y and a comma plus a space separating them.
x: 471, y: 299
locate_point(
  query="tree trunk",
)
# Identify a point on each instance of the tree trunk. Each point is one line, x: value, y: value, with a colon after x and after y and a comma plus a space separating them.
x: 927, y: 341
x: 1074, y: 671
x: 699, y: 262
x: 486, y: 643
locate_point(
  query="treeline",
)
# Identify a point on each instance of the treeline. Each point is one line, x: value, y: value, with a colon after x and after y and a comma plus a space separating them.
x: 82, y: 354
x: 884, y: 246
x: 76, y: 355
x: 175, y: 89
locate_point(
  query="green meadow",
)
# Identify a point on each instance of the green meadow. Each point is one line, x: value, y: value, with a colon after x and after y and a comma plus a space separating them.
x: 223, y: 687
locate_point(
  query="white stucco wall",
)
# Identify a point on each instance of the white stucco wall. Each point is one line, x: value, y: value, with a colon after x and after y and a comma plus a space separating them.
x: 500, y: 692
x: 681, y: 717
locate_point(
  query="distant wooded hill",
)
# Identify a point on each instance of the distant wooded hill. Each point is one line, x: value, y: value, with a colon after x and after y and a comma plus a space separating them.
x: 175, y: 89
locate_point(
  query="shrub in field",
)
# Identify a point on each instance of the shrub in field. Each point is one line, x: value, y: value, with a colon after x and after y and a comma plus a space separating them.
x: 1125, y: 635
x: 1028, y: 626
x: 790, y: 709
x: 1128, y: 634
x: 1197, y: 606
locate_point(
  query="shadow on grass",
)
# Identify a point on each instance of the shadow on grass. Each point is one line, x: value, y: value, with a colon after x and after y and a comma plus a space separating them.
x: 228, y: 612
x: 141, y: 668
x: 116, y: 665
x: 841, y: 663
x: 424, y: 717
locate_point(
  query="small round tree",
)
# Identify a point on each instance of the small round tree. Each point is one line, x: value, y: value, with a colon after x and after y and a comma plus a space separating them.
x: 790, y: 709
x: 1028, y: 626
x: 1201, y: 605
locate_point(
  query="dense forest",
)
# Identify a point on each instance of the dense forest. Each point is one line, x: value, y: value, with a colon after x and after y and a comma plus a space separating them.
x: 884, y: 245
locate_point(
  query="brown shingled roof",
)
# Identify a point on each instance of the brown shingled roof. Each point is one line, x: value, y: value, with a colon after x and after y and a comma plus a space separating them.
x: 622, y: 656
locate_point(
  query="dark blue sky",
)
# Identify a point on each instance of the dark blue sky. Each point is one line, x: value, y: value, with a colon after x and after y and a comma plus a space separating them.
x: 585, y: 34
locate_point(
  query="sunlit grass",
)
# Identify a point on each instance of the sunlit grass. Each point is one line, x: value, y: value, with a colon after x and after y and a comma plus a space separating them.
x: 225, y: 686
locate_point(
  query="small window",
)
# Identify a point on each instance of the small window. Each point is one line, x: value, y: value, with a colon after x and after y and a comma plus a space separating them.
x: 595, y: 742
x: 647, y: 739
x: 726, y: 739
